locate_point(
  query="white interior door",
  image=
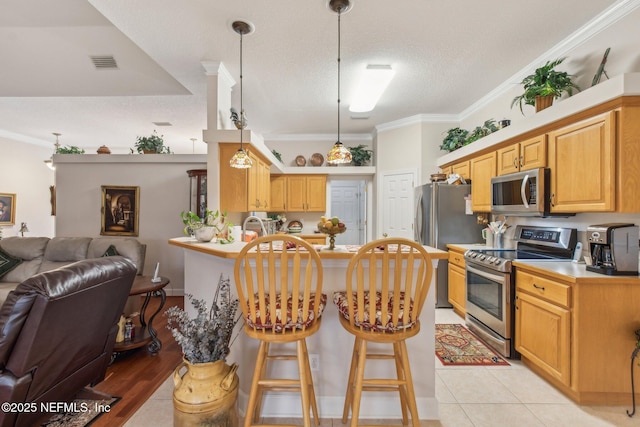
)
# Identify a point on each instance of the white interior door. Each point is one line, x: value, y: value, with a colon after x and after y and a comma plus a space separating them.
x: 397, y: 204
x: 348, y: 201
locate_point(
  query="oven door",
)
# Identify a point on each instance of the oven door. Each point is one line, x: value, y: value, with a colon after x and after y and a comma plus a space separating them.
x: 489, y: 298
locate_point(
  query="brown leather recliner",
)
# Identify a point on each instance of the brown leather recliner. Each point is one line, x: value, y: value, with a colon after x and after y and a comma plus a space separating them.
x: 57, y: 332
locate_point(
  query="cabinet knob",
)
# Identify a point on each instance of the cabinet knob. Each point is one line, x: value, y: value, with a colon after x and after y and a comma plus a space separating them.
x: 553, y: 196
x: 521, y: 161
x: 538, y: 287
x: 515, y: 162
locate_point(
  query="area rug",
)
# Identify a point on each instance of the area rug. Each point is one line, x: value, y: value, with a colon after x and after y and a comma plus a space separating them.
x: 82, y: 412
x: 456, y: 345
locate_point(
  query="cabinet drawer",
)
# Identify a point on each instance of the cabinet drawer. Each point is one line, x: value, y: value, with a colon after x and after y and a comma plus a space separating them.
x: 456, y: 258
x: 546, y: 289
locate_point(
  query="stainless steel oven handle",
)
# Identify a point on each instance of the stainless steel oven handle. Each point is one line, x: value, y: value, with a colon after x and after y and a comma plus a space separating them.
x: 523, y: 193
x: 491, y: 276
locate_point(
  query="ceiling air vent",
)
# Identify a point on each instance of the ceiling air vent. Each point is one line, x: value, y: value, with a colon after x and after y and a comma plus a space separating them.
x: 104, y: 62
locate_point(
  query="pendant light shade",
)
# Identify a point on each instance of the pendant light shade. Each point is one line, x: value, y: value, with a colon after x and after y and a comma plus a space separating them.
x: 240, y: 159
x: 339, y: 154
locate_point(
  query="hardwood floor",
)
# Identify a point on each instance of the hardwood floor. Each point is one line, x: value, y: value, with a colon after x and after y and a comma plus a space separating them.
x: 134, y: 376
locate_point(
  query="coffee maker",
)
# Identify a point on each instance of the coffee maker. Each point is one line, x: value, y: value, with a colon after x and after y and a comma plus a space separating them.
x: 614, y: 249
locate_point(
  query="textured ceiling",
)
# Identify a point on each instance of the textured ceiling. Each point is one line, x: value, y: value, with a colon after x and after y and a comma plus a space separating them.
x: 447, y: 56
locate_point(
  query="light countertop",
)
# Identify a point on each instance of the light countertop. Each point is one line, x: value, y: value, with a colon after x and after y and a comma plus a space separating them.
x: 563, y: 270
x: 231, y: 250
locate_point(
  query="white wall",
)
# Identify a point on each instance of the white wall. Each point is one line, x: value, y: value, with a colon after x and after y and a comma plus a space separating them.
x: 582, y: 61
x: 164, y: 193
x: 23, y: 173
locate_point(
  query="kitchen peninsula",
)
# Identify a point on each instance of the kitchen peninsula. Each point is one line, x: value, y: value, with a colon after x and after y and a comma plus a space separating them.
x: 205, y: 262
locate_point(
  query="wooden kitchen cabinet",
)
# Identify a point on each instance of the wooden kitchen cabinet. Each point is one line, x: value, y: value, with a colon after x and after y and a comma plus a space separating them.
x: 543, y: 322
x: 244, y: 190
x: 278, y: 193
x: 577, y: 330
x: 299, y: 193
x: 483, y: 168
x: 525, y: 155
x: 457, y: 283
x: 582, y: 163
x: 463, y: 169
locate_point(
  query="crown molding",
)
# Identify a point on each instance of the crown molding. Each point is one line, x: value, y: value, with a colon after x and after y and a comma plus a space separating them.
x: 322, y: 137
x: 417, y: 119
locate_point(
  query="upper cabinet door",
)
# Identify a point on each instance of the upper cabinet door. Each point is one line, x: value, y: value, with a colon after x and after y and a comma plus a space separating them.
x: 582, y: 162
x: 508, y: 159
x: 296, y: 193
x: 483, y: 168
x: 525, y: 155
x: 533, y: 153
x: 278, y: 193
x: 316, y: 193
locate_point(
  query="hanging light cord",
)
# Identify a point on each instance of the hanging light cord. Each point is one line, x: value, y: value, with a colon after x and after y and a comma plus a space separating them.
x: 339, y: 15
x: 241, y: 106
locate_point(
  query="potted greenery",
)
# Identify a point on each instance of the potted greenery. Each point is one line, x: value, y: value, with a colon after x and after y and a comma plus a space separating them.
x: 360, y: 155
x: 206, y: 387
x: 541, y: 87
x: 454, y: 139
x: 151, y: 144
x: 488, y: 127
x: 205, y: 229
x: 69, y: 149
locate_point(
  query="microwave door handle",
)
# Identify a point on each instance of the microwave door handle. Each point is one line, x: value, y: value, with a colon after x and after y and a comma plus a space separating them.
x: 523, y: 192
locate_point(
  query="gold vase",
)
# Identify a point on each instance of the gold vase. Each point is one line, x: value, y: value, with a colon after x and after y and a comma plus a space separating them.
x: 205, y: 394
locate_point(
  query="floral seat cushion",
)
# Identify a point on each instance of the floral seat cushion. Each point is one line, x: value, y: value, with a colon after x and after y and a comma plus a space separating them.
x: 378, y: 324
x: 265, y: 322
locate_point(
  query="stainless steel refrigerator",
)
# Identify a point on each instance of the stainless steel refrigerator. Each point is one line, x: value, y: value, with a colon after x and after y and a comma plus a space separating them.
x: 441, y: 219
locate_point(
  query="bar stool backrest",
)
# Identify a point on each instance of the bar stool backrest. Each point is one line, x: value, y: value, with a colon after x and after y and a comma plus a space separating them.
x: 279, y: 283
x: 398, y: 271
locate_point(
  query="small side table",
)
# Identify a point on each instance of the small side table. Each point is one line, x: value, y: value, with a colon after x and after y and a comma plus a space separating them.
x: 147, y: 335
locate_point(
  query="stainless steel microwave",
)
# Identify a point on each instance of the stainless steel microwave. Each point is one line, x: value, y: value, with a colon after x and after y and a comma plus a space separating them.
x: 526, y: 193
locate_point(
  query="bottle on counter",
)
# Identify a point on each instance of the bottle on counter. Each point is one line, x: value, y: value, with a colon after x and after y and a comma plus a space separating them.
x: 129, y: 330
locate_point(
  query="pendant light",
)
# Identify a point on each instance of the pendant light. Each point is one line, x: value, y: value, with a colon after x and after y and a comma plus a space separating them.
x: 49, y: 162
x: 339, y: 153
x: 241, y: 159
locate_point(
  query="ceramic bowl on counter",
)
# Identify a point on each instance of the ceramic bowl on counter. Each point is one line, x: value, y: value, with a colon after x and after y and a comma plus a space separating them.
x: 294, y: 227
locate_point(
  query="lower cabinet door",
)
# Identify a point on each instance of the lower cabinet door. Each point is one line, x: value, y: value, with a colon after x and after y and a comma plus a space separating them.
x: 543, y: 335
x: 457, y: 288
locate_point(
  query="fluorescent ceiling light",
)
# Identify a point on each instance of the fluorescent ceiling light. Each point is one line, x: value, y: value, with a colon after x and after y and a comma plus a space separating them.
x: 375, y: 80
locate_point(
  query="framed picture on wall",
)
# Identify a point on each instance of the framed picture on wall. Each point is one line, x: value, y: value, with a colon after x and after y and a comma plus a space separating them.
x: 7, y: 209
x: 119, y: 210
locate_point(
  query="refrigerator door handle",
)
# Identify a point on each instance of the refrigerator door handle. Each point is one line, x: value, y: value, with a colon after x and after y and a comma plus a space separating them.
x: 417, y: 234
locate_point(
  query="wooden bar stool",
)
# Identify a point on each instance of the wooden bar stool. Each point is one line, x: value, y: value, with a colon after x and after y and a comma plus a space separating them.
x: 279, y: 281
x: 382, y: 304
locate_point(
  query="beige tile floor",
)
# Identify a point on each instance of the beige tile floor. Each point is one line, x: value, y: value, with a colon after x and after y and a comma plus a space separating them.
x: 469, y: 396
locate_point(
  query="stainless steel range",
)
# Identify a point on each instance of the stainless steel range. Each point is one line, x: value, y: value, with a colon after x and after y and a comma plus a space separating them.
x: 491, y: 282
